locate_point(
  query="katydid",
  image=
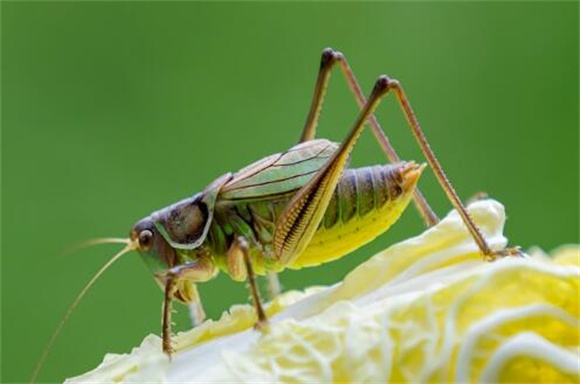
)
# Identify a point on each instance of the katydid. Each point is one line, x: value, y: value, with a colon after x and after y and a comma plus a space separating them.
x: 295, y: 209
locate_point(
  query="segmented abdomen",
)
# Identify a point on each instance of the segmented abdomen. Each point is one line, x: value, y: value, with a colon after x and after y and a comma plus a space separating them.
x: 365, y: 204
x: 362, y: 190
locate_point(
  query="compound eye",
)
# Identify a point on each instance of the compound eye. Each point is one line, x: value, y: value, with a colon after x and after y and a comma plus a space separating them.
x: 145, y: 240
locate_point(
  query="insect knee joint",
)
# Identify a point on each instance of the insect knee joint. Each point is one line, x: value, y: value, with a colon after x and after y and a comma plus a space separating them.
x: 329, y: 56
x: 171, y: 278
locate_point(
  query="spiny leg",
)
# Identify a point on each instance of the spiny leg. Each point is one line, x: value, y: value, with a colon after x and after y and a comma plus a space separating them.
x: 301, y: 217
x: 200, y: 270
x: 166, y: 319
x: 329, y: 58
x: 327, y: 62
x: 442, y: 177
x: 239, y: 253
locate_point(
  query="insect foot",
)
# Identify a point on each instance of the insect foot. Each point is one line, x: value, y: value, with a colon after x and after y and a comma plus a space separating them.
x: 262, y: 326
x: 506, y: 252
x: 365, y: 327
x: 171, y: 280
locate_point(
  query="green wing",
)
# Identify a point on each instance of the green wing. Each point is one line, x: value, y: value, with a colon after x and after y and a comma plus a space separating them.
x: 279, y: 174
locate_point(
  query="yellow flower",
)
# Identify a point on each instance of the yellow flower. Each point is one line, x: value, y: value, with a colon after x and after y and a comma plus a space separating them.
x: 426, y: 309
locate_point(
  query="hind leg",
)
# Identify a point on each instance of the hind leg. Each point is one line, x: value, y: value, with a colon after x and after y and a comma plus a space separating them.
x: 329, y: 58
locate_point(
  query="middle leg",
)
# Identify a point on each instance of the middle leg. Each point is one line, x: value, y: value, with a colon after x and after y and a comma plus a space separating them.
x: 240, y: 267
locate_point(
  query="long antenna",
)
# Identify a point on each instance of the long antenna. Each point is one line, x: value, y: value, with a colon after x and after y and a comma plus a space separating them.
x: 129, y: 247
x: 96, y: 241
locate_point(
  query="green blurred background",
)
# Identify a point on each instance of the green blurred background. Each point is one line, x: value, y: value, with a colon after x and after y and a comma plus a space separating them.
x: 112, y: 110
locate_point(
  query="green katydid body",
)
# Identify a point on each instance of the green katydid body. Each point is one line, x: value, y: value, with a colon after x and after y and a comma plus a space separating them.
x: 248, y: 203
